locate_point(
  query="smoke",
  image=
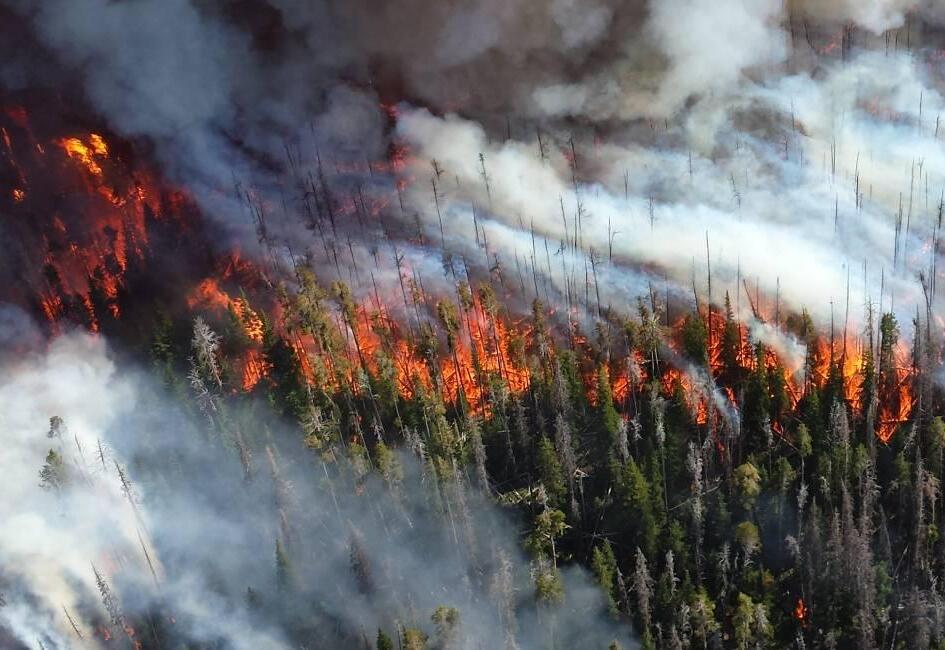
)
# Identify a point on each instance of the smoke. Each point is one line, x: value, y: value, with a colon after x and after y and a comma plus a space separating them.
x: 54, y: 536
x: 877, y: 16
x: 768, y: 220
x: 18, y: 332
x: 791, y: 163
x: 709, y: 45
x: 186, y: 544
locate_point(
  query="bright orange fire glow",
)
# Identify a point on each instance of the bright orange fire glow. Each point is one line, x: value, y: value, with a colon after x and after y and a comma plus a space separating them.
x: 848, y: 359
x: 86, y: 257
x: 85, y: 247
x: 255, y: 368
x: 482, y: 349
x: 695, y: 401
x: 87, y: 153
x: 253, y: 325
x: 628, y: 378
x: 896, y: 396
x: 843, y: 355
x: 208, y: 294
x: 800, y: 611
x: 486, y: 344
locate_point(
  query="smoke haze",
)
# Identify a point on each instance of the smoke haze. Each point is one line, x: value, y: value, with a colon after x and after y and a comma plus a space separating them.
x: 183, y: 545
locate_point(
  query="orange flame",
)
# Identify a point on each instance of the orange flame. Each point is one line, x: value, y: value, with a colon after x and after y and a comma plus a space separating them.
x: 208, y: 294
x: 482, y: 349
x: 800, y: 611
x: 696, y: 402
x: 253, y: 325
x: 896, y: 398
x: 255, y: 368
x: 86, y: 153
x: 90, y: 243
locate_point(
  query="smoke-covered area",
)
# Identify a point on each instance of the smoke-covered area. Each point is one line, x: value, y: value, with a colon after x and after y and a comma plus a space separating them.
x: 793, y: 142
x: 184, y: 533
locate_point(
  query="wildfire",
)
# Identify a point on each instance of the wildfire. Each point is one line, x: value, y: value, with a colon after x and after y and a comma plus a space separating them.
x: 253, y: 325
x: 209, y: 295
x: 839, y: 358
x: 86, y: 154
x: 89, y: 223
x: 847, y: 359
x: 87, y: 256
x: 255, y: 368
x: 896, y: 396
x: 694, y: 400
x: 800, y: 611
x: 482, y: 349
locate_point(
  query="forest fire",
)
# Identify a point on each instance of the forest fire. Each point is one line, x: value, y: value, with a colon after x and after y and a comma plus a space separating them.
x: 673, y: 380
x: 253, y: 326
x: 86, y: 272
x: 801, y: 612
x: 86, y: 154
x: 255, y: 368
x: 76, y: 253
x: 208, y: 295
x: 628, y: 312
x: 896, y: 395
x: 86, y: 266
x: 481, y: 348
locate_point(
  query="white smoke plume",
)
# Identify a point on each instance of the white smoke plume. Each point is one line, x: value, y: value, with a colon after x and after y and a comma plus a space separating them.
x: 180, y: 547
x: 807, y: 156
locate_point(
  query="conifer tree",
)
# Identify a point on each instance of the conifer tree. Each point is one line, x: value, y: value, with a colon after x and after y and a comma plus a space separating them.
x: 384, y: 642
x: 604, y: 565
x: 109, y: 600
x: 55, y: 474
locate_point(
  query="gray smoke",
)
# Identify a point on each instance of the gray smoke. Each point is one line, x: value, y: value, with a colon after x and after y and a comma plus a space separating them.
x: 690, y: 119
